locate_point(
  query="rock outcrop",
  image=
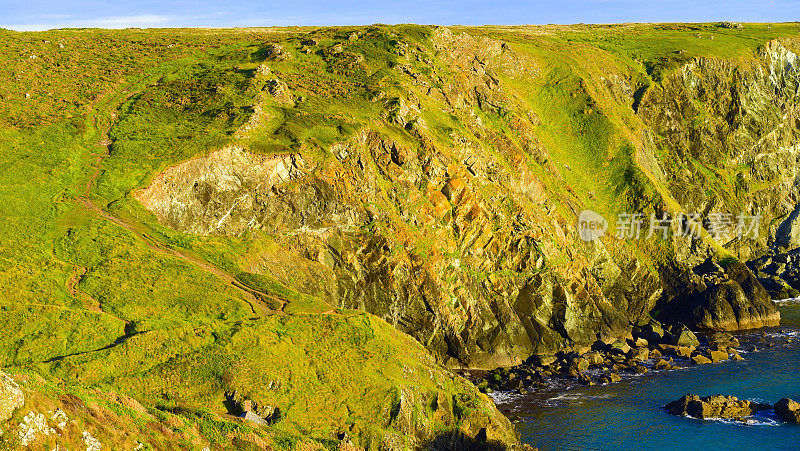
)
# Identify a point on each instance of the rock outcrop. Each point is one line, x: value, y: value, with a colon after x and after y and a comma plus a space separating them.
x: 788, y: 410
x: 715, y: 406
x: 11, y: 397
x: 713, y: 298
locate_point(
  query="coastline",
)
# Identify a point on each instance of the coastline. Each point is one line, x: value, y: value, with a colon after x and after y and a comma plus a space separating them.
x: 565, y: 400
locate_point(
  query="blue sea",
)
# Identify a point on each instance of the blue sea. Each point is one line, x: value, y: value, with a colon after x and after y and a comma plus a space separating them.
x: 628, y: 415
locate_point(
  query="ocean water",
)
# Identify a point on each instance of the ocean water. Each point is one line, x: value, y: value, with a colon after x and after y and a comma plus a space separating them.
x: 628, y: 415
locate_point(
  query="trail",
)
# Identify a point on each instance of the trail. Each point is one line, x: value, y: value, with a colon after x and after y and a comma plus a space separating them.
x: 72, y: 287
x: 255, y: 298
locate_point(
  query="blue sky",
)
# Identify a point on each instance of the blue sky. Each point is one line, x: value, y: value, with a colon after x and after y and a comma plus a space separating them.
x: 38, y: 14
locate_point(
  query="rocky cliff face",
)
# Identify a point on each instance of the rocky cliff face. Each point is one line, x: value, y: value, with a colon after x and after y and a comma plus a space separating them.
x: 451, y: 209
x: 729, y: 136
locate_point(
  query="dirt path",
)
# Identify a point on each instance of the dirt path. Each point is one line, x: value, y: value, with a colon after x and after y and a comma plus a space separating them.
x: 72, y: 287
x: 257, y: 300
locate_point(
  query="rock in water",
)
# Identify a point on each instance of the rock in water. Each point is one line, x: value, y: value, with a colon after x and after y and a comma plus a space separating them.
x: 700, y: 360
x: 788, y: 410
x: 715, y: 406
x: 718, y: 356
x: 662, y: 365
x: 11, y: 397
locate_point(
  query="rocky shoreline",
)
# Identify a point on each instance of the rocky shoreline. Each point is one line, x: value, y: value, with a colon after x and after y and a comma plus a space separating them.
x: 650, y: 347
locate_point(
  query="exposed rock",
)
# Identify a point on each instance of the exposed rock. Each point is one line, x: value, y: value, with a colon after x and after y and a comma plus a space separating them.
x: 594, y: 358
x: 541, y: 360
x: 653, y: 332
x: 612, y: 376
x: 580, y: 364
x: 254, y: 418
x: 733, y: 300
x: 639, y: 354
x: 401, y: 229
x: 716, y: 406
x: 33, y: 426
x: 585, y: 379
x: 11, y: 397
x: 619, y: 347
x: 700, y: 360
x: 788, y: 410
x: 682, y: 336
x: 722, y: 339
x: 718, y: 356
x: 230, y: 191
x: 92, y: 444
x: 662, y: 364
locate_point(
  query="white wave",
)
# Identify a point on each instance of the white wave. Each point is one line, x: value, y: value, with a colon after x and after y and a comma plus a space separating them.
x: 505, y: 397
x: 748, y: 421
x: 783, y: 334
x: 787, y: 301
x: 574, y: 398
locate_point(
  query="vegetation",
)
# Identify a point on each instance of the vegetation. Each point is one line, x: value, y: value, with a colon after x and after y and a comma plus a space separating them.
x: 98, y: 298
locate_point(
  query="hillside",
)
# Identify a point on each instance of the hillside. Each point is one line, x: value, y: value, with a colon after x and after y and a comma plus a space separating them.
x: 326, y: 222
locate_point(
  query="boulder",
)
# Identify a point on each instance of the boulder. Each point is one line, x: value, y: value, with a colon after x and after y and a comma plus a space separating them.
x: 639, y: 369
x: 639, y: 354
x: 718, y: 356
x: 619, y: 347
x: 680, y: 351
x: 718, y: 347
x: 541, y: 360
x: 594, y: 358
x: 253, y: 418
x: 653, y: 332
x: 662, y: 364
x: 682, y: 336
x: 585, y: 379
x: 700, y: 360
x: 11, y: 397
x: 788, y: 410
x: 722, y: 339
x: 715, y: 406
x: 580, y: 364
x: 612, y: 376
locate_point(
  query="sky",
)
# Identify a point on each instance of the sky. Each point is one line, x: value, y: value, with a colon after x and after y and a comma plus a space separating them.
x: 47, y: 14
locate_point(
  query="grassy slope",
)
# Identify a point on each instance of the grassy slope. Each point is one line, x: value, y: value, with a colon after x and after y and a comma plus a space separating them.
x: 92, y: 304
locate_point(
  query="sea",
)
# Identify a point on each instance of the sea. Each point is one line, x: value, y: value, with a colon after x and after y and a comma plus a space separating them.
x: 628, y: 415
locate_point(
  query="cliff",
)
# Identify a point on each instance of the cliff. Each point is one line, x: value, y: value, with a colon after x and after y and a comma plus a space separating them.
x: 450, y: 207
